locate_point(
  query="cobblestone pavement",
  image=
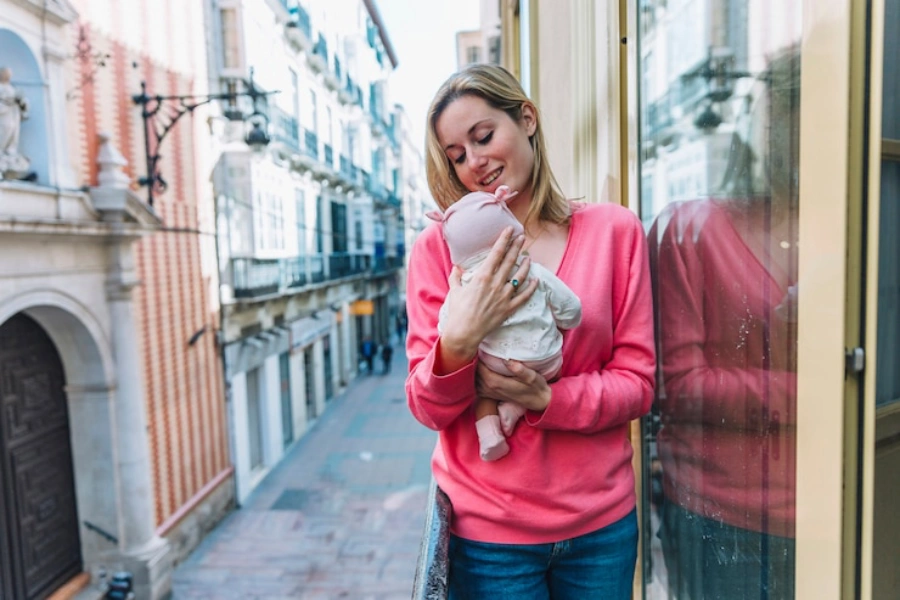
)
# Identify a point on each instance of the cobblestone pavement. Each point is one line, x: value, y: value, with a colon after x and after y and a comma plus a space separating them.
x: 340, y: 517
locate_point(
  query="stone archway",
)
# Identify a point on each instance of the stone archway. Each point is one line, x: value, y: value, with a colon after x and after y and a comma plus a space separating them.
x: 40, y: 546
x: 82, y: 348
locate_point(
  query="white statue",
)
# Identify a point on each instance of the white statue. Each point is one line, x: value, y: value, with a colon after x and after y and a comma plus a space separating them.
x: 13, y: 110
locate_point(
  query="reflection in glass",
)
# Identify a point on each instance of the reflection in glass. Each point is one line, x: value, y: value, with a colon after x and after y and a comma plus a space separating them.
x: 887, y: 384
x: 719, y: 153
x: 887, y: 356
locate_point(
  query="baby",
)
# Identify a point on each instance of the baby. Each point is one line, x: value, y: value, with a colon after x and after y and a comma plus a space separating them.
x: 532, y: 334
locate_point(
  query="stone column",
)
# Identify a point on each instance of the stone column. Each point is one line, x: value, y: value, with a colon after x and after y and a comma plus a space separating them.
x: 130, y: 443
x: 143, y: 552
x: 90, y: 420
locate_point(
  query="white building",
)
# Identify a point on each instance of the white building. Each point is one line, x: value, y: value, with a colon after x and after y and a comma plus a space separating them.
x: 309, y: 230
x: 481, y: 45
x: 415, y: 194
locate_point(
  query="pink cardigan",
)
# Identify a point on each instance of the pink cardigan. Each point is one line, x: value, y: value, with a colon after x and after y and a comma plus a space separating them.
x: 569, y: 468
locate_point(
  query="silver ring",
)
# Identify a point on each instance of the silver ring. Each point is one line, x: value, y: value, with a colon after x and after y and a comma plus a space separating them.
x: 514, y: 283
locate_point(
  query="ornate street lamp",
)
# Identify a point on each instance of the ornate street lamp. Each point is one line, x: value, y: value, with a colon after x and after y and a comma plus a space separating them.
x: 708, y: 120
x: 160, y: 113
x: 719, y: 73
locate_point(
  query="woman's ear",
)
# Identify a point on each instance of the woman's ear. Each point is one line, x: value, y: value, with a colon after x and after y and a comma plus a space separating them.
x: 529, y: 118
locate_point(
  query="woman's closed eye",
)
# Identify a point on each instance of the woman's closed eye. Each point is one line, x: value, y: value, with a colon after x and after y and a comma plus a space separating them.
x: 482, y: 142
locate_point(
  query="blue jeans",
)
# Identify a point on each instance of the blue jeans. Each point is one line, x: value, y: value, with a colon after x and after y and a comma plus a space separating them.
x: 595, y: 565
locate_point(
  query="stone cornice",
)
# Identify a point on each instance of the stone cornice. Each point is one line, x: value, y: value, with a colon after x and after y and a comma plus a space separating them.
x: 123, y: 205
x: 61, y: 230
x: 58, y: 12
x: 28, y: 209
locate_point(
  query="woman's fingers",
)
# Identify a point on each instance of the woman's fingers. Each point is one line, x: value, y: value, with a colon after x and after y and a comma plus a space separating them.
x: 523, y: 291
x: 455, y: 279
x: 509, y: 259
x: 520, y: 276
x: 524, y: 387
x: 499, y: 251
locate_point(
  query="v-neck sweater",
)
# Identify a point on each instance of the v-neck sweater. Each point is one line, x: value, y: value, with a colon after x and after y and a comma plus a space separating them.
x: 569, y: 468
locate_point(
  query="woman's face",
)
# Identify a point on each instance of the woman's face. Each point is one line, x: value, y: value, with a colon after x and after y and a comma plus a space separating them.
x: 486, y: 147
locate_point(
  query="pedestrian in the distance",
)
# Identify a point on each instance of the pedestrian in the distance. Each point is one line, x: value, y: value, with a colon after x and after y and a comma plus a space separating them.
x: 401, y: 325
x: 367, y: 350
x: 387, y: 352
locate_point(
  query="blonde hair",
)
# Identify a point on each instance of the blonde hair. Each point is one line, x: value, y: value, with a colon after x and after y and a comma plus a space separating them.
x: 500, y: 89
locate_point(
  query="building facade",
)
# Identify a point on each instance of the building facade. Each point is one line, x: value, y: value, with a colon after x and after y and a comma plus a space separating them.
x: 310, y: 230
x: 415, y: 195
x: 114, y: 448
x: 481, y: 45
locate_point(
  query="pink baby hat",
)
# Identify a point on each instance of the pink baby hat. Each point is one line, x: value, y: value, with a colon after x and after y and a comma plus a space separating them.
x: 472, y: 224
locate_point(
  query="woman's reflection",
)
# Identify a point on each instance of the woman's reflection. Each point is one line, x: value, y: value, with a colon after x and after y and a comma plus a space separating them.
x: 726, y: 290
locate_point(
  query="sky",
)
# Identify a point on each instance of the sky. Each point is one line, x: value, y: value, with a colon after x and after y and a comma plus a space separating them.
x: 423, y: 33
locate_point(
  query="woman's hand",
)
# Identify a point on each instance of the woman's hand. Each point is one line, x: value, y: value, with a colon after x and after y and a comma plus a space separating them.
x: 479, y: 307
x: 526, y: 387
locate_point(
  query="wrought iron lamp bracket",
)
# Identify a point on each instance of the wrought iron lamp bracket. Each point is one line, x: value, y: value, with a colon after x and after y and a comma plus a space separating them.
x: 161, y: 113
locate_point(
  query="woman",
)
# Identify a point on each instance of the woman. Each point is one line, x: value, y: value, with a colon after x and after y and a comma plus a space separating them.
x: 555, y: 518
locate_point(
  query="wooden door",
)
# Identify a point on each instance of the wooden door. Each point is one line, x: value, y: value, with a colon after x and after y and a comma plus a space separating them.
x: 39, y: 540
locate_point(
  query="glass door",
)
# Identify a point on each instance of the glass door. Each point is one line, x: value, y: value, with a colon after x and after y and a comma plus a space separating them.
x: 741, y: 174
x: 719, y: 173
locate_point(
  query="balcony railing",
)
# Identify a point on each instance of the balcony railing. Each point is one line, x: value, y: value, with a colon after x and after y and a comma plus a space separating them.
x: 316, y: 268
x: 386, y: 263
x: 294, y: 272
x: 284, y: 128
x: 344, y: 264
x: 253, y: 277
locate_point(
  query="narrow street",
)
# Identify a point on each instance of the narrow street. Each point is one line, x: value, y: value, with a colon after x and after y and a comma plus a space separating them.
x: 340, y: 517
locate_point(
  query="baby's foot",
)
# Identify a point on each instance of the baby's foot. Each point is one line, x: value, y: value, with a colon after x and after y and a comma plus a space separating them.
x: 490, y: 439
x: 510, y: 413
